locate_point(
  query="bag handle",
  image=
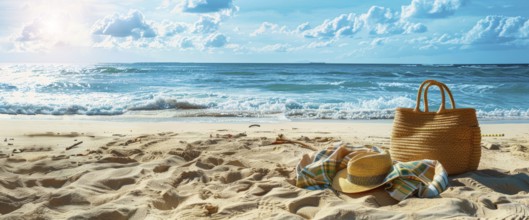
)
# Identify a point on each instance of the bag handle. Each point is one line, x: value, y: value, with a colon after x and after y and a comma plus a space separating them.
x: 419, y: 93
x: 442, y: 87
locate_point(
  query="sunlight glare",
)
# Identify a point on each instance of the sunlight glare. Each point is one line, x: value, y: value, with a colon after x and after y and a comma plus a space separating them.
x: 52, y: 26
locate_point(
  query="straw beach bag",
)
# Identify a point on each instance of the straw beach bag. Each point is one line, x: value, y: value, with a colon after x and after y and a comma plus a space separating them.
x: 451, y: 136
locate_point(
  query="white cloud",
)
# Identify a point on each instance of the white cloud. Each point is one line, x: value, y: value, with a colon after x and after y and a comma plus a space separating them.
x: 168, y: 28
x: 215, y: 40
x: 129, y: 42
x: 206, y: 24
x: 133, y: 24
x: 491, y: 32
x: 267, y: 27
x: 130, y: 32
x: 185, y: 43
x: 431, y: 9
x: 378, y: 15
x: 31, y: 32
x: 276, y: 48
x: 498, y: 29
x: 414, y: 28
x: 345, y: 24
x: 303, y: 27
x: 320, y: 44
x: 204, y: 6
x: 32, y: 37
x: 376, y: 21
x: 378, y: 42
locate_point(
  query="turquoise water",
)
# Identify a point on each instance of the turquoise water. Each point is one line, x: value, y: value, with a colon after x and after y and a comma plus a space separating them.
x: 275, y: 91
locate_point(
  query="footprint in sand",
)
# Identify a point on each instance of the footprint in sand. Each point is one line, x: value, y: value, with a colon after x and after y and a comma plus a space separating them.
x: 188, y: 176
x: 260, y: 173
x: 9, y: 204
x: 263, y: 189
x: 230, y: 177
x: 306, y: 205
x: 122, y: 160
x: 187, y: 154
x: 240, y: 186
x: 125, y: 152
x: 53, y: 183
x: 70, y: 198
x: 170, y: 200
x: 267, y: 208
x: 209, y: 162
x: 150, y: 143
x: 161, y: 168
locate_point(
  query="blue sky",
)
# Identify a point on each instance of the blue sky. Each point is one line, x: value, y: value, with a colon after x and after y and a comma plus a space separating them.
x: 336, y: 31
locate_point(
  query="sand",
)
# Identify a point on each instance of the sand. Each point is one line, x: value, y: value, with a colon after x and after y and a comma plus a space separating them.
x: 60, y: 169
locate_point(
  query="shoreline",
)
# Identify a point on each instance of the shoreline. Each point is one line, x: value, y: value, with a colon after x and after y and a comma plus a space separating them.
x: 214, y: 120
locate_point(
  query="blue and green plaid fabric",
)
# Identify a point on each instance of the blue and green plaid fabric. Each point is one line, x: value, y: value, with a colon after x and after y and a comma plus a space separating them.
x: 318, y: 172
x: 422, y: 178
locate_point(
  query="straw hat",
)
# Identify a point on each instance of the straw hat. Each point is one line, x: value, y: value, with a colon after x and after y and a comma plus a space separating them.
x: 365, y: 171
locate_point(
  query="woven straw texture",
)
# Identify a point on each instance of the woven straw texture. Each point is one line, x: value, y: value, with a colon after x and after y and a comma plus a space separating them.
x: 451, y: 136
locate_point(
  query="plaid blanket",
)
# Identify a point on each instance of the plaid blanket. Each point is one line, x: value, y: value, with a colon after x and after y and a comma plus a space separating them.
x: 423, y: 178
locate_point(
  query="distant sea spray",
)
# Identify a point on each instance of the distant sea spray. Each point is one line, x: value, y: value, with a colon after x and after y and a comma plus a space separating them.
x: 283, y: 91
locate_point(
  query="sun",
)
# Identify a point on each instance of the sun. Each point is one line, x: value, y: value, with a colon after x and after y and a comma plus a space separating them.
x: 53, y: 26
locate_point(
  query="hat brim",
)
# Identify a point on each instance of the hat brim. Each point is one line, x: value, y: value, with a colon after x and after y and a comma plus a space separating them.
x: 341, y: 184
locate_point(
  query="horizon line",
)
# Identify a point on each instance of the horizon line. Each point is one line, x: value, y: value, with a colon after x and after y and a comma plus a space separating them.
x: 307, y: 62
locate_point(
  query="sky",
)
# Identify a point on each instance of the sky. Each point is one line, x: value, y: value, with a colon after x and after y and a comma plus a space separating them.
x: 272, y: 31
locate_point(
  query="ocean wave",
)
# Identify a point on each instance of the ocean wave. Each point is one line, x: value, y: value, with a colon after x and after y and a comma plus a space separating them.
x: 286, y: 73
x: 58, y: 110
x: 161, y: 104
x: 340, y: 115
x: 7, y: 87
x: 398, y: 85
x: 359, y: 84
x: 338, y: 83
x: 297, y: 88
x: 338, y: 73
x: 504, y: 114
x: 237, y: 73
x: 65, y: 85
x: 109, y: 69
x: 224, y: 114
x: 373, y: 109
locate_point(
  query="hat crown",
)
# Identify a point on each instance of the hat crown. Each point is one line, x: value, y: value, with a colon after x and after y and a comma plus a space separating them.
x: 369, y: 164
x: 366, y: 170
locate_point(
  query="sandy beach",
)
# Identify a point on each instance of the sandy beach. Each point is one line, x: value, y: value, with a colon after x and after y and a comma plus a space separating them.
x: 56, y: 169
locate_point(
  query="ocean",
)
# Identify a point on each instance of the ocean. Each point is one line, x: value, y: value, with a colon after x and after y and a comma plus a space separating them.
x: 266, y: 92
